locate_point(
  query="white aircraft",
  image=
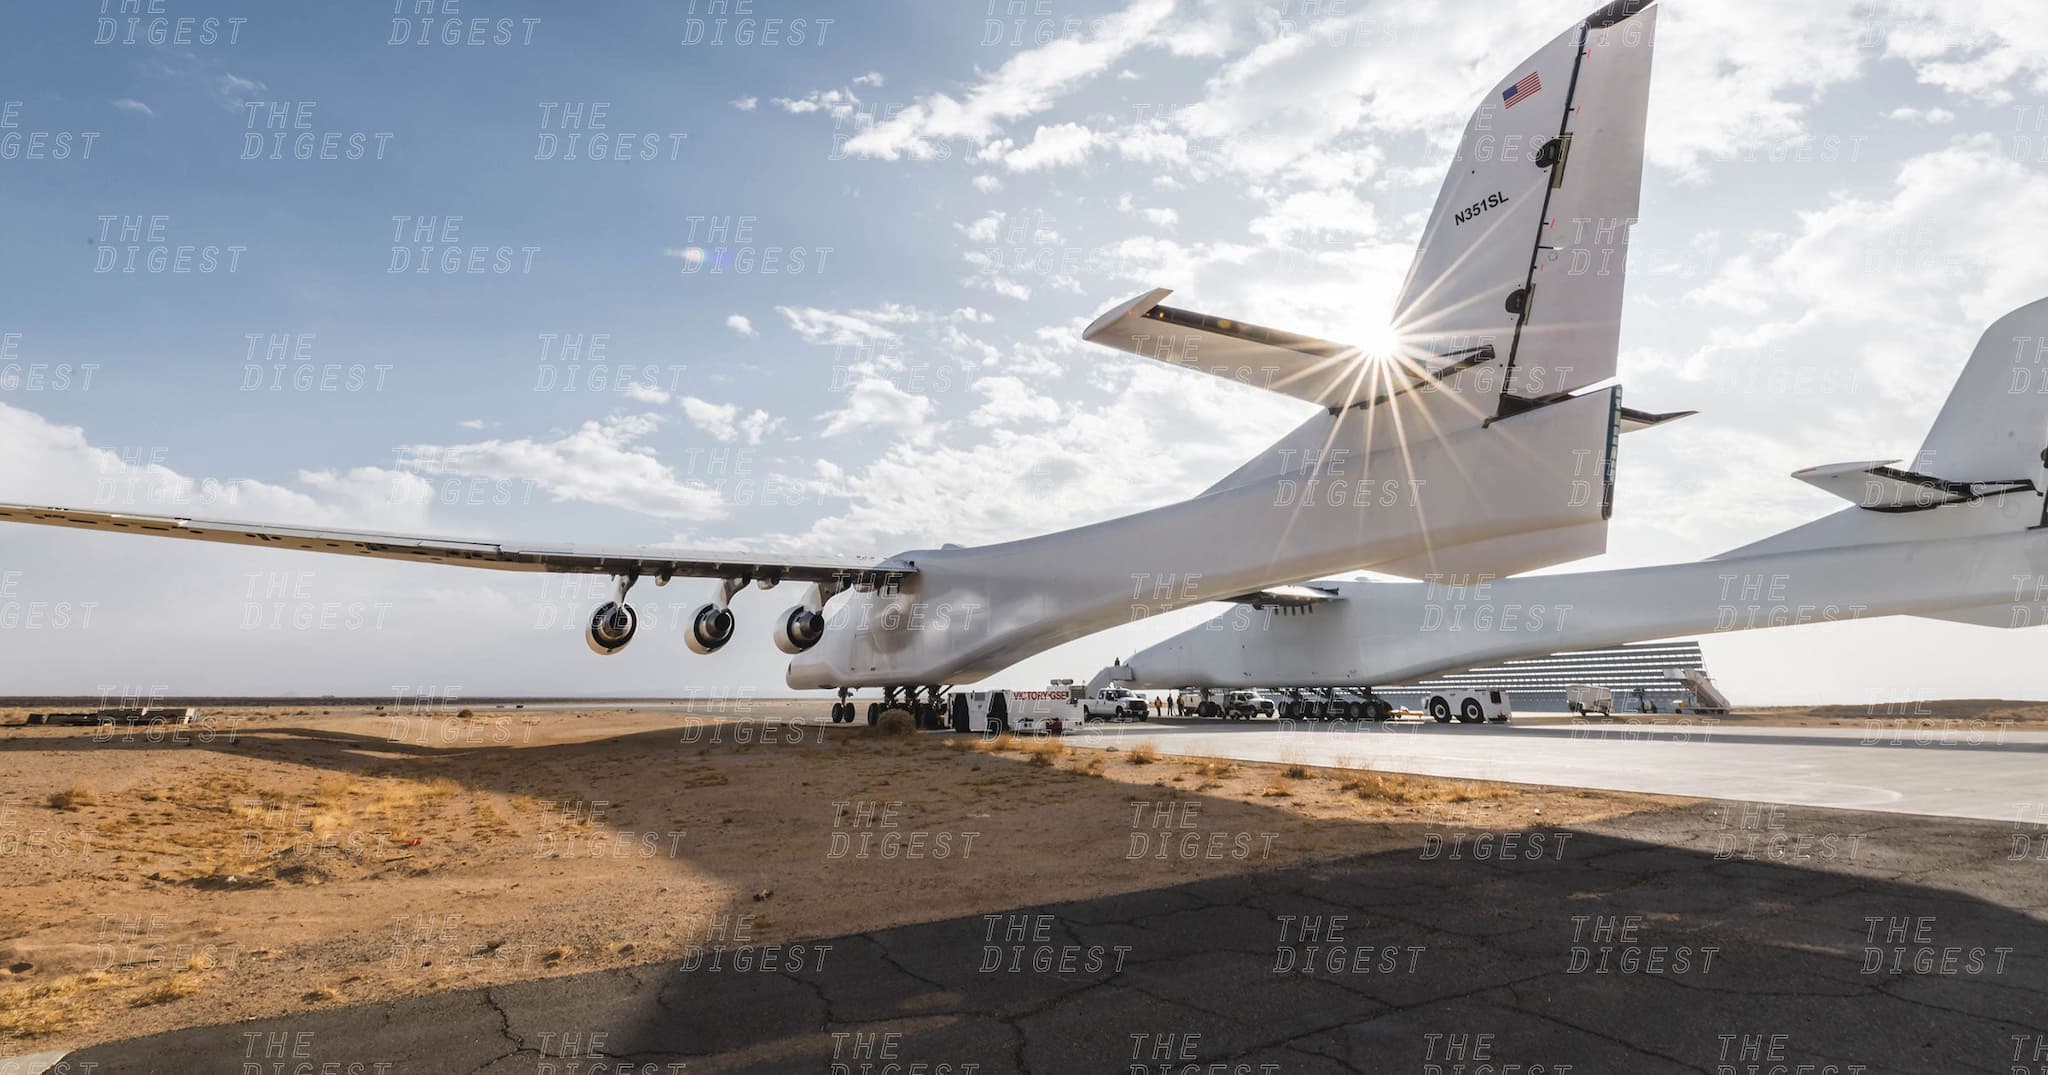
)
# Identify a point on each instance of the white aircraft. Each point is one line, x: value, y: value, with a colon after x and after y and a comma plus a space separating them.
x: 1961, y: 534
x: 1467, y: 437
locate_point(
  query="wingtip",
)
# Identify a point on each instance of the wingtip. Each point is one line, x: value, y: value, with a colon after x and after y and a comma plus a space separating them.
x: 1617, y: 12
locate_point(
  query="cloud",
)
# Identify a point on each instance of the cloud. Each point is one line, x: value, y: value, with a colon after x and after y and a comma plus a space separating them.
x: 234, y: 92
x: 986, y: 229
x: 471, y: 423
x: 833, y: 328
x: 725, y: 422
x: 1024, y: 465
x: 1030, y: 82
x: 841, y: 105
x: 745, y: 104
x: 872, y: 78
x: 130, y: 104
x: 56, y: 464
x: 740, y: 324
x: 1933, y: 117
x: 874, y: 402
x: 600, y: 462
x: 646, y: 393
x: 987, y: 184
x: 1054, y: 146
x: 1315, y: 213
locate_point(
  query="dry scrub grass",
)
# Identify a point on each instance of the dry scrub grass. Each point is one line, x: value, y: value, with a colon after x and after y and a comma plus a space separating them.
x: 225, y: 830
x: 73, y: 797
x: 1407, y: 790
x: 75, y: 1000
x: 998, y: 745
x: 1142, y: 754
x: 895, y: 724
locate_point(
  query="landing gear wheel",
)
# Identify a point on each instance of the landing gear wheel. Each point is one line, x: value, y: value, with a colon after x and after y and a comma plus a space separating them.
x: 1354, y: 712
x: 874, y: 713
x: 1440, y: 710
x: 1472, y: 712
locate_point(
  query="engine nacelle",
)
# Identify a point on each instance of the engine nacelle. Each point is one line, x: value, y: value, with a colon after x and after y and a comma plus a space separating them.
x: 710, y: 629
x: 611, y: 627
x: 799, y: 630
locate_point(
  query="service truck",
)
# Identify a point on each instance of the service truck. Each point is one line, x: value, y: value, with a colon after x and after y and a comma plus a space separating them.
x: 1470, y: 707
x: 1044, y: 712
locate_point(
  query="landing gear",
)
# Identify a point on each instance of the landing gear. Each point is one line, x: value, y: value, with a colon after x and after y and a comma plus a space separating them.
x: 933, y: 712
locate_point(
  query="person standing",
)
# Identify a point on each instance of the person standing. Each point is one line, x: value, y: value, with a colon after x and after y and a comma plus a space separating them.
x: 1158, y: 706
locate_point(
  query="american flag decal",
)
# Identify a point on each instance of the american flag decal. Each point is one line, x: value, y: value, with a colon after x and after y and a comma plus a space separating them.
x: 1531, y: 84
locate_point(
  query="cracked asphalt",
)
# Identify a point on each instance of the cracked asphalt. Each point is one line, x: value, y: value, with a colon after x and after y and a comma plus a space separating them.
x: 1717, y: 937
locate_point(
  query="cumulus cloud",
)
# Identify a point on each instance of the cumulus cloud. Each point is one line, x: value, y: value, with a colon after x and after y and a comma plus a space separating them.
x: 600, y: 462
x: 1030, y: 82
x: 726, y: 422
x: 1055, y: 146
x: 741, y: 324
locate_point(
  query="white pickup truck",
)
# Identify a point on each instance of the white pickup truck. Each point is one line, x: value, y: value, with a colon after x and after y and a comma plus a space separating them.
x: 1112, y: 703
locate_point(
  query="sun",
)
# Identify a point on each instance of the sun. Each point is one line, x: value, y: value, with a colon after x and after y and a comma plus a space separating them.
x: 1379, y: 342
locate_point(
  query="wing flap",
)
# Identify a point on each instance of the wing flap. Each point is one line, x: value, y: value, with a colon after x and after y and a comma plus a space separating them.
x: 643, y: 561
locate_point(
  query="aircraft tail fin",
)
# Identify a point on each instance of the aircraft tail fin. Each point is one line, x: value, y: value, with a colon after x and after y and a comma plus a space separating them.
x: 1526, y: 250
x: 1983, y: 469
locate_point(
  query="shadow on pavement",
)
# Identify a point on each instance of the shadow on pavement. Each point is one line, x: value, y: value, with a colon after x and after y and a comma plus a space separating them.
x: 1669, y: 941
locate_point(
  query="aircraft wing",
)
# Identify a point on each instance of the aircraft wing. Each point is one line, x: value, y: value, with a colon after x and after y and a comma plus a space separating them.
x: 643, y: 561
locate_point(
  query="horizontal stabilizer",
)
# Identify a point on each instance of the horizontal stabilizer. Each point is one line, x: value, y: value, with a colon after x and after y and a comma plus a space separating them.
x: 1879, y: 486
x: 1635, y: 421
x: 1322, y: 372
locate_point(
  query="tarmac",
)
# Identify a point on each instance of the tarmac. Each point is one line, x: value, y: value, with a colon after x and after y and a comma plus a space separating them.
x: 1951, y: 769
x: 1710, y: 937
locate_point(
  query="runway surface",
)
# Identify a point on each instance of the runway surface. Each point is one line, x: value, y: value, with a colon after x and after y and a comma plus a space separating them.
x: 1967, y: 770
x: 1840, y: 942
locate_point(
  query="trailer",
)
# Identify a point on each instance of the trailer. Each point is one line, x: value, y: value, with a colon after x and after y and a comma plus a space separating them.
x: 1584, y: 698
x: 144, y: 715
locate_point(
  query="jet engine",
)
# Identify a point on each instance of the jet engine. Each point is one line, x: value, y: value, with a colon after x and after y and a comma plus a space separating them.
x: 799, y: 629
x: 710, y: 629
x: 611, y: 627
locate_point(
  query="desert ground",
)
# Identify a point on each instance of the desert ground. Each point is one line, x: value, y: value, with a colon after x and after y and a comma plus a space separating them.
x: 282, y: 858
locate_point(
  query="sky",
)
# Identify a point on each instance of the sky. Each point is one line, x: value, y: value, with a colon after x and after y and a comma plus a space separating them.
x: 810, y: 277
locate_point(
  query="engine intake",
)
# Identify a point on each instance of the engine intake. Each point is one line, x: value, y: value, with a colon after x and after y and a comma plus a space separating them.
x: 799, y: 630
x: 710, y: 629
x: 611, y: 627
